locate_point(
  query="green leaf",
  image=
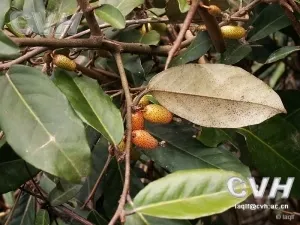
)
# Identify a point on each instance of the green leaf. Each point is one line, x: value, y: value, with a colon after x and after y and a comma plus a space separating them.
x: 212, y: 137
x: 46, y: 183
x: 92, y: 105
x: 111, y: 15
x: 13, y: 171
x: 150, y: 38
x: 96, y: 218
x: 9, y: 50
x: 282, y: 53
x: 181, y: 147
x: 42, y: 127
x: 57, y: 8
x: 270, y: 20
x: 99, y: 157
x: 197, y: 48
x: 42, y: 217
x: 235, y: 52
x: 36, y: 14
x: 63, y: 192
x: 4, y: 8
x: 274, y: 147
x: 125, y: 6
x: 183, y: 6
x: 188, y: 194
x: 140, y: 219
x: 24, y: 213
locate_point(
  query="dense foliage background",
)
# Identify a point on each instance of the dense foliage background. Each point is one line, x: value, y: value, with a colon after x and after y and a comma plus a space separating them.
x: 61, y: 161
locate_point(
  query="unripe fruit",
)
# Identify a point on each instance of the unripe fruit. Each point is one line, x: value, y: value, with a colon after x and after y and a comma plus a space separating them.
x: 233, y: 32
x: 214, y: 10
x: 64, y: 62
x: 137, y: 121
x: 143, y: 139
x: 157, y: 114
x: 144, y: 101
x: 122, y: 146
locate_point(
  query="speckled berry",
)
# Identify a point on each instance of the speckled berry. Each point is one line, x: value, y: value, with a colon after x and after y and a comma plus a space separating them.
x: 157, y: 114
x: 233, y: 32
x: 64, y: 62
x: 143, y: 139
x: 137, y: 120
x: 214, y: 10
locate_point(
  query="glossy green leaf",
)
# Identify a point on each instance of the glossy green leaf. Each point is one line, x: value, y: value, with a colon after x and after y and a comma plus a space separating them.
x: 183, y: 5
x: 197, y: 48
x: 24, y: 213
x: 282, y: 53
x: 235, y: 52
x: 125, y: 6
x: 111, y: 15
x: 39, y: 124
x: 92, y: 105
x: 36, y: 15
x: 150, y: 38
x: 9, y: 50
x: 291, y: 101
x: 212, y: 137
x: 181, y: 147
x: 274, y: 148
x: 140, y: 219
x: 189, y: 194
x: 99, y: 157
x: 63, y: 192
x: 4, y: 7
x: 42, y: 217
x: 270, y: 20
x: 58, y: 8
x: 96, y: 218
x: 13, y: 171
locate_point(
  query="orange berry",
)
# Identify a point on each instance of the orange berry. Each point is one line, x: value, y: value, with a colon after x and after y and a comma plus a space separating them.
x: 64, y: 62
x: 233, y: 32
x: 214, y: 10
x: 144, y: 101
x: 137, y: 120
x: 143, y: 139
x: 157, y: 114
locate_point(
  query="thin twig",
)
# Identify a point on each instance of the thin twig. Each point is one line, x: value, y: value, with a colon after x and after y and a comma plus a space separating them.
x: 73, y: 215
x: 13, y: 208
x: 293, y: 19
x: 185, y: 27
x: 128, y: 98
x: 92, y: 194
x: 90, y: 17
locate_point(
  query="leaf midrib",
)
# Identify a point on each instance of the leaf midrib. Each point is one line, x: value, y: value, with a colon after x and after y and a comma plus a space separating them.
x: 39, y: 122
x: 270, y: 147
x: 209, y: 97
x: 179, y: 148
x: 94, y: 111
x: 159, y: 204
x: 26, y: 209
x: 261, y: 30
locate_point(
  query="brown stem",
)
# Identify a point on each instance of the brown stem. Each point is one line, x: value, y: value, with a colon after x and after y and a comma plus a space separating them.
x: 213, y: 29
x: 92, y: 194
x: 73, y: 215
x: 90, y: 17
x: 293, y: 19
x: 128, y: 98
x: 242, y: 11
x: 13, y: 209
x: 185, y: 27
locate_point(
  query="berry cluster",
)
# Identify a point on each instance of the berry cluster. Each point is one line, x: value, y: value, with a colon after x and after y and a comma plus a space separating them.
x: 153, y: 113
